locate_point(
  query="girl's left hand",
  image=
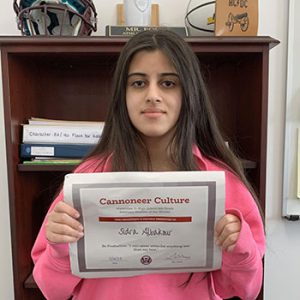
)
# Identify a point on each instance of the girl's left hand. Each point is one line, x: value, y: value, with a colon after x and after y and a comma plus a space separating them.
x: 227, y: 232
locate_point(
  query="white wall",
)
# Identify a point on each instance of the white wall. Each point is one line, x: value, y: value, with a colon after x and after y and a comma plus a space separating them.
x: 282, y: 266
x: 282, y: 259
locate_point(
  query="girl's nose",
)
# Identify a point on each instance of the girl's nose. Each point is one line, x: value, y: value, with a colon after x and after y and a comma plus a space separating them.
x: 153, y: 94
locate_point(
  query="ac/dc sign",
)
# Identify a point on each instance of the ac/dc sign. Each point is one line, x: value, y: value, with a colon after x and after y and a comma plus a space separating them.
x: 236, y: 17
x: 240, y: 3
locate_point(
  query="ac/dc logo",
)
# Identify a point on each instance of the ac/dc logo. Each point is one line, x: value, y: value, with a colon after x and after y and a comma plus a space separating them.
x: 240, y: 3
x: 146, y: 260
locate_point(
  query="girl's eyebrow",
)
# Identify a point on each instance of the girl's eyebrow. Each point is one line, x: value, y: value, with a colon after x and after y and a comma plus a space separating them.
x: 161, y: 74
x: 136, y: 74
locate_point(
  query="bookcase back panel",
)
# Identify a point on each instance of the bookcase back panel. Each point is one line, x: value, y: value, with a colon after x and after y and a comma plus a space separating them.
x: 235, y: 89
x: 71, y: 88
x: 32, y: 197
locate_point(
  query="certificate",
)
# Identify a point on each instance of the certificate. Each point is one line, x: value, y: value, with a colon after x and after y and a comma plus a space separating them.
x: 145, y: 222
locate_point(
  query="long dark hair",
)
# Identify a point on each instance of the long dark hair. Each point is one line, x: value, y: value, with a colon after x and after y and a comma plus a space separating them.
x: 196, y: 124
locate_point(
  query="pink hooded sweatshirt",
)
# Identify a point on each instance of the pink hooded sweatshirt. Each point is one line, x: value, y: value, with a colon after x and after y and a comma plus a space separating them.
x: 240, y: 275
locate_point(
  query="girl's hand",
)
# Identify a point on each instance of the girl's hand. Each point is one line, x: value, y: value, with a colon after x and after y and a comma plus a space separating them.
x: 62, y: 226
x: 227, y: 232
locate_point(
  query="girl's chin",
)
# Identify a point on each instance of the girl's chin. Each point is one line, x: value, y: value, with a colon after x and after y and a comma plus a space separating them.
x: 154, y: 135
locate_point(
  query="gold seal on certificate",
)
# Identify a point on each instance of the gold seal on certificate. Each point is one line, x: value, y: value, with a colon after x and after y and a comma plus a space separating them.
x: 145, y: 222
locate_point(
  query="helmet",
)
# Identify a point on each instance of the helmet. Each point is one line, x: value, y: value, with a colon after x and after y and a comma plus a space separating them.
x: 56, y: 17
x: 200, y: 17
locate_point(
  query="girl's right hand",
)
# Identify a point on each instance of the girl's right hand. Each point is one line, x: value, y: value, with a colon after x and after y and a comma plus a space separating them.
x: 62, y: 226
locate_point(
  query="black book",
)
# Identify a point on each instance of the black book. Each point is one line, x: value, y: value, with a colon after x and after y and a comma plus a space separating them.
x: 128, y: 31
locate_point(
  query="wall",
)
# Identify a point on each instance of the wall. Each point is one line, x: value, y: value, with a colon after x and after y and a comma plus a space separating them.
x: 291, y: 204
x: 283, y: 248
x: 283, y: 244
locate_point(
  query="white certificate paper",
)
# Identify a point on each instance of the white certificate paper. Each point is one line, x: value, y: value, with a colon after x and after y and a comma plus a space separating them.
x: 145, y: 222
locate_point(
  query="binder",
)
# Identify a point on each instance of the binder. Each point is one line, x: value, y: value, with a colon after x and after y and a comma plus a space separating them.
x: 55, y: 150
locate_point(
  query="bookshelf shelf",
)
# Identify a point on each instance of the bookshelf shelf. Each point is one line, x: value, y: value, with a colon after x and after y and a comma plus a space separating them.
x: 247, y: 164
x: 70, y: 79
x: 46, y: 168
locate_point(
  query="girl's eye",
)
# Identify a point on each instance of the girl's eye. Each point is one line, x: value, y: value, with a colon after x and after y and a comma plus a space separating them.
x: 138, y: 83
x: 168, y: 83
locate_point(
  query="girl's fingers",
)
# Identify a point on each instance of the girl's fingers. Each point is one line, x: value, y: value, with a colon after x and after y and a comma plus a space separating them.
x: 63, y: 207
x: 229, y: 243
x: 227, y: 231
x: 64, y: 219
x: 62, y: 226
x: 226, y: 219
x: 63, y: 229
x: 58, y: 238
x: 61, y: 233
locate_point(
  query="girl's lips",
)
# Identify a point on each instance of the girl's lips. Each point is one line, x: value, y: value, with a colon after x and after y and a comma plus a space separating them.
x: 152, y: 110
x: 153, y: 113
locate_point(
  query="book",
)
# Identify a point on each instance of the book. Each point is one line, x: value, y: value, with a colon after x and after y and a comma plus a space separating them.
x: 52, y: 162
x: 55, y: 150
x: 128, y: 31
x: 43, y: 121
x: 61, y: 134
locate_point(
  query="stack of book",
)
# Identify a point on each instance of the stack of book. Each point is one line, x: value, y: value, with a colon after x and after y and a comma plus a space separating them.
x: 48, y: 141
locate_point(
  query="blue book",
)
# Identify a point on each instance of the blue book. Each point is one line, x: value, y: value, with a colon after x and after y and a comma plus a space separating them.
x: 55, y: 150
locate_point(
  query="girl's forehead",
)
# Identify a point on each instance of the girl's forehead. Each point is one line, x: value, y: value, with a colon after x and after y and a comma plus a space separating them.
x: 151, y: 59
x: 148, y: 53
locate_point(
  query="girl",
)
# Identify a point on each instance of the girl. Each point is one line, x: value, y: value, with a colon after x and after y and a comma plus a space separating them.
x: 160, y: 119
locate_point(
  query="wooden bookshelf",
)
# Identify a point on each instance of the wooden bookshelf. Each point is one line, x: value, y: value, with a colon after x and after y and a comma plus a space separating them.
x: 70, y: 78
